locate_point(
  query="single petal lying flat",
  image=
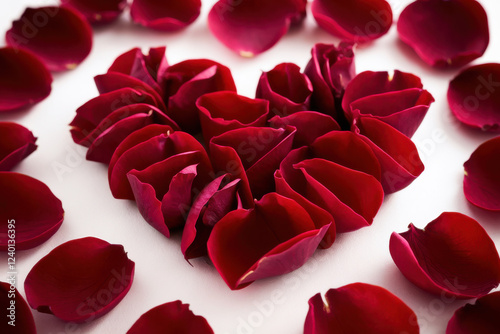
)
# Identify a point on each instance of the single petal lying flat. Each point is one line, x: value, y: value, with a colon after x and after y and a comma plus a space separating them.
x: 165, y: 15
x: 16, y: 143
x: 478, y: 318
x: 17, y: 317
x: 97, y: 12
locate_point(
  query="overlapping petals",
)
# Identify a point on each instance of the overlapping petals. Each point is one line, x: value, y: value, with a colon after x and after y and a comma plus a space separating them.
x: 16, y: 143
x: 482, y: 177
x: 261, y: 22
x: 452, y: 256
x: 359, y: 308
x: 59, y: 36
x: 97, y: 11
x: 170, y: 318
x: 474, y: 97
x: 353, y: 20
x: 18, y: 319
x: 29, y: 208
x: 274, y: 238
x: 478, y: 318
x: 445, y: 33
x: 165, y: 15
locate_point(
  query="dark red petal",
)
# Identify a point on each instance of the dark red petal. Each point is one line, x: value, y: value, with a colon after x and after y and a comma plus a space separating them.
x: 482, y: 177
x: 353, y: 20
x: 478, y: 318
x: 275, y: 238
x: 287, y: 90
x: 16, y: 143
x: 165, y: 15
x: 473, y: 97
x: 262, y: 22
x: 170, y: 318
x: 223, y: 111
x: 359, y: 308
x: 453, y: 255
x: 97, y: 11
x: 80, y: 280
x: 60, y: 36
x: 16, y: 314
x: 430, y: 28
x: 33, y: 210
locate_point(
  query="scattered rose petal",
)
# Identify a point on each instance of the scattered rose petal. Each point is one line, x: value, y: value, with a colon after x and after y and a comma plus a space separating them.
x: 430, y: 28
x: 97, y: 11
x: 18, y: 313
x: 478, y: 318
x: 453, y: 255
x: 170, y: 318
x: 353, y: 20
x: 31, y: 207
x: 80, y: 280
x: 16, y: 143
x: 165, y: 15
x: 60, y: 36
x: 482, y: 177
x: 474, y: 98
x: 359, y: 308
x: 274, y: 238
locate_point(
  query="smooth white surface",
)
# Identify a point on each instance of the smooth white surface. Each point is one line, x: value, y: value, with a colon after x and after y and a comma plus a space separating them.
x: 277, y: 305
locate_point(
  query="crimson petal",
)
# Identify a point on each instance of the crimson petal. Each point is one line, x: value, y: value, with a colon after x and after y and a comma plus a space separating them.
x: 80, y: 280
x: 482, y: 179
x: 97, y: 11
x: 60, y: 36
x: 18, y: 313
x: 430, y: 28
x: 25, y: 80
x: 16, y: 143
x: 30, y: 207
x: 170, y: 318
x: 359, y: 308
x: 165, y: 15
x: 453, y: 255
x: 478, y: 318
x: 474, y: 99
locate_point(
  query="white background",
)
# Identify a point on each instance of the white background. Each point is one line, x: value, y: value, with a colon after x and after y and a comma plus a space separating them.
x: 162, y: 275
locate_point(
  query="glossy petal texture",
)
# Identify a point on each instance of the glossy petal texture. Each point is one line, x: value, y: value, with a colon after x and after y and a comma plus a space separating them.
x: 16, y: 143
x: 250, y: 27
x: 165, y: 15
x: 36, y: 212
x: 80, y: 280
x: 274, y: 238
x: 445, y: 33
x: 24, y: 81
x: 478, y: 318
x: 59, y: 36
x: 353, y: 20
x: 474, y: 97
x: 97, y: 11
x: 223, y: 111
x: 171, y: 318
x: 482, y: 177
x: 359, y: 308
x: 452, y: 256
x: 18, y: 313
x: 287, y: 90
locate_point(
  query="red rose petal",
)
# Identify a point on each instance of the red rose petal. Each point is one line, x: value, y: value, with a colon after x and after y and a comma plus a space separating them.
x: 353, y: 20
x: 25, y: 80
x: 97, y: 11
x: 262, y: 22
x: 60, y: 36
x: 16, y: 143
x: 165, y: 15
x: 453, y: 255
x: 274, y: 238
x: 80, y: 280
x: 473, y: 97
x: 359, y: 308
x: 287, y: 90
x: 18, y: 313
x: 482, y: 177
x: 170, y: 318
x: 226, y: 110
x: 37, y: 213
x: 430, y: 28
x: 478, y: 318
